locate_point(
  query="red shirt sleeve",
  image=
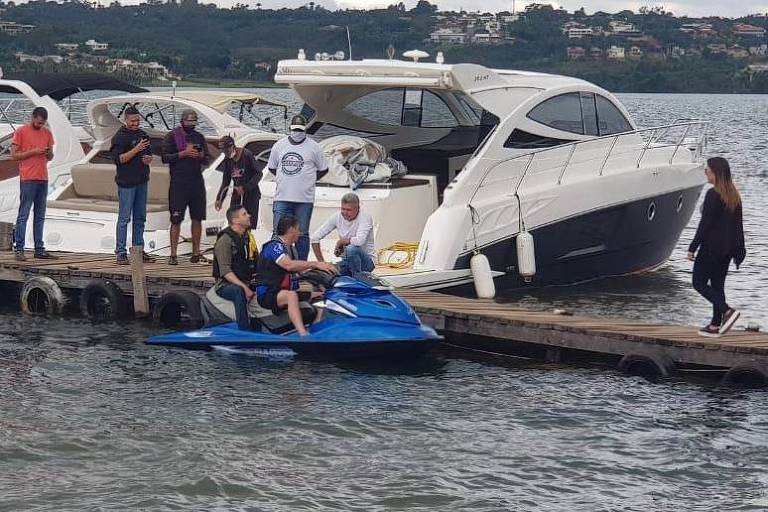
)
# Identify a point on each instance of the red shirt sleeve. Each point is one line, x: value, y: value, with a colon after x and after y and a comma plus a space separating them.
x: 18, y: 137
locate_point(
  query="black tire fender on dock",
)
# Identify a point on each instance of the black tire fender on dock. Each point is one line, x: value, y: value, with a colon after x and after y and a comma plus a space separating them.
x: 747, y: 375
x: 647, y: 365
x: 41, y: 295
x: 103, y: 300
x: 178, y: 308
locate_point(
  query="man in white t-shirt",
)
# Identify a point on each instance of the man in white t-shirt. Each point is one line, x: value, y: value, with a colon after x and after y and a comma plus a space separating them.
x: 355, y: 244
x: 297, y: 162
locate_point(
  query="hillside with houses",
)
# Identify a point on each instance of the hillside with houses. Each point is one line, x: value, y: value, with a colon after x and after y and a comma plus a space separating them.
x: 648, y: 50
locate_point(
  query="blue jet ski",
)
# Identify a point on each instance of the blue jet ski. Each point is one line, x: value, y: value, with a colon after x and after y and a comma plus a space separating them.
x: 361, y: 319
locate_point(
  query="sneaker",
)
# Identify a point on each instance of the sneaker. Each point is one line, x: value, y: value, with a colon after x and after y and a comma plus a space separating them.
x: 147, y: 258
x: 198, y: 258
x: 45, y: 255
x: 19, y: 256
x: 173, y: 260
x: 729, y: 318
x: 122, y: 259
x: 710, y: 331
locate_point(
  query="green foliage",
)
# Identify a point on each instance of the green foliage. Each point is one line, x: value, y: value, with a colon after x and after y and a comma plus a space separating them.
x: 201, y: 40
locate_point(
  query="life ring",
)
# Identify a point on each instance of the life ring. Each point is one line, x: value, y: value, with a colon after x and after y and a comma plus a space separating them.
x: 178, y: 308
x: 41, y: 295
x: 750, y: 375
x: 103, y: 300
x: 646, y: 365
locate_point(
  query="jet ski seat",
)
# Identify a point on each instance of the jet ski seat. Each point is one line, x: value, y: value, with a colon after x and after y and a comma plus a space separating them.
x: 217, y: 310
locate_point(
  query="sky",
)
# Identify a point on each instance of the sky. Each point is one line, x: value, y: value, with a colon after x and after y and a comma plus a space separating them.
x: 694, y: 8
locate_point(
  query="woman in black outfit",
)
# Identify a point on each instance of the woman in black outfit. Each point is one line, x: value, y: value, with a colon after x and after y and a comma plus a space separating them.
x: 719, y: 239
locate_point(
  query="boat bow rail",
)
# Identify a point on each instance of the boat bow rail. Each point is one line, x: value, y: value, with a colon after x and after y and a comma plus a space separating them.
x: 648, y: 149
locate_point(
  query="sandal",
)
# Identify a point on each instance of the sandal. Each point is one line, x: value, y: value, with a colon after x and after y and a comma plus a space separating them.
x: 173, y: 260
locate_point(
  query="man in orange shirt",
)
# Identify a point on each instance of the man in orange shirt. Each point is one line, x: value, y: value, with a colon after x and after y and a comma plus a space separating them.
x: 32, y: 147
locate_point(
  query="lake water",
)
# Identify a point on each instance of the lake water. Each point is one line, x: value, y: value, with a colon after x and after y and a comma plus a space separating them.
x: 92, y: 419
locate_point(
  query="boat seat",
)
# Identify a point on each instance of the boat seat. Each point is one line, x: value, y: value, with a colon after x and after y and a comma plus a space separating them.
x: 93, y: 188
x: 261, y: 318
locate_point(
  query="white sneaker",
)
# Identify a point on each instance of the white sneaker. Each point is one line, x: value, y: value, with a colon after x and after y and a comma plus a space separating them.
x: 729, y: 318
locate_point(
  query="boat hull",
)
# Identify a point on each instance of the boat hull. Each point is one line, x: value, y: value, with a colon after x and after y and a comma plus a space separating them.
x: 614, y: 241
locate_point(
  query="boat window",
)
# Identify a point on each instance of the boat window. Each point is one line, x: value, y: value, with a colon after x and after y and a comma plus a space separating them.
x: 380, y: 107
x: 435, y: 113
x: 520, y: 139
x: 610, y: 118
x: 589, y: 113
x: 560, y: 112
x: 307, y: 111
x: 412, y: 107
x: 472, y: 110
x: 325, y: 130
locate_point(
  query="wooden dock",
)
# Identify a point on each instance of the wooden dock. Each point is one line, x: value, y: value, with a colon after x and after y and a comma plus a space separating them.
x: 475, y: 324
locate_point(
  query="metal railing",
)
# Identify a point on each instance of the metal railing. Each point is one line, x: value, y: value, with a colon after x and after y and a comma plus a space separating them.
x: 649, y: 141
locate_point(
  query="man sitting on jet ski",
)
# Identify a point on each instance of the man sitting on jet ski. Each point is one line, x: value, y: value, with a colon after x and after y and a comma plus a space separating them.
x: 234, y: 262
x: 277, y: 272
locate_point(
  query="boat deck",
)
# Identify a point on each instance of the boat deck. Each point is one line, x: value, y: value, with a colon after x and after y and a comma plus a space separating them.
x: 477, y: 324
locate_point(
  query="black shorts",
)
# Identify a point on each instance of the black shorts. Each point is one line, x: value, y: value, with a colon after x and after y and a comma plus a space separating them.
x: 183, y: 195
x: 269, y: 301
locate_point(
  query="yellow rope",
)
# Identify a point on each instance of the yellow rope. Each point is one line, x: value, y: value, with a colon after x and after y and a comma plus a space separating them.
x: 398, y: 248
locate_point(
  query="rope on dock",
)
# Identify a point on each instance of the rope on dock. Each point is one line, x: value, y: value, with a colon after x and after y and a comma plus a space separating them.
x: 398, y: 255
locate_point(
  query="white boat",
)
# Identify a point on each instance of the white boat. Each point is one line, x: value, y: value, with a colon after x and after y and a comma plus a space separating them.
x: 82, y: 214
x: 494, y: 152
x: 22, y: 93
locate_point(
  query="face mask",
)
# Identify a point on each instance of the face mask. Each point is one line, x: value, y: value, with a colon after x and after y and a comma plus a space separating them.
x: 188, y: 129
x: 298, y: 136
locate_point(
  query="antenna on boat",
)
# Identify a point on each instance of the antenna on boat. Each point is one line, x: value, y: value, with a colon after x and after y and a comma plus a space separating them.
x: 349, y: 43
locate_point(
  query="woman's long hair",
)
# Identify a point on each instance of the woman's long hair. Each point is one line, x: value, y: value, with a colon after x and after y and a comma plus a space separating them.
x: 723, y: 183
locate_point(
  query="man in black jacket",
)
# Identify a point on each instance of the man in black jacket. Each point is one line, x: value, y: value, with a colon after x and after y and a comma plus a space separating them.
x: 233, y: 263
x: 240, y: 169
x: 186, y: 152
x: 132, y: 155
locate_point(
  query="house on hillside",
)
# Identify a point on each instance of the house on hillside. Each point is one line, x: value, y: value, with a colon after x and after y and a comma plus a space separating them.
x: 448, y: 36
x: 13, y: 29
x: 575, y: 52
x: 745, y: 30
x: 95, y: 46
x: 616, y: 53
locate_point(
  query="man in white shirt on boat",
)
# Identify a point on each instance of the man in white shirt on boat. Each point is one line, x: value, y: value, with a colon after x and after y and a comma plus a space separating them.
x: 355, y: 245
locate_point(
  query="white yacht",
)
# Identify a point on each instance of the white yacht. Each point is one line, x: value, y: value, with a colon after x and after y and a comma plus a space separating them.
x: 19, y: 94
x: 82, y: 213
x: 491, y: 153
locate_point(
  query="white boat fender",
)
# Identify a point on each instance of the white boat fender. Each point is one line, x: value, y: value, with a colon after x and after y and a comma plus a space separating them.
x: 482, y: 276
x: 526, y: 256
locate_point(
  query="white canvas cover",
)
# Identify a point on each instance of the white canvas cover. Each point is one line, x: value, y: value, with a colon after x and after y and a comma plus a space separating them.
x: 355, y: 160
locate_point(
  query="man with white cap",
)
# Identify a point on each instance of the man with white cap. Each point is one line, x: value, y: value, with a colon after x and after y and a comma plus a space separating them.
x: 297, y: 162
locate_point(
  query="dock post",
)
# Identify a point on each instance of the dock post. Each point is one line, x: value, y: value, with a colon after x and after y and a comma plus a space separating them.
x: 139, y: 280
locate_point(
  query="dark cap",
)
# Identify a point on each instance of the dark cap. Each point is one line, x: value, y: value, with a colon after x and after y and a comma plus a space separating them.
x: 299, y: 122
x: 226, y: 142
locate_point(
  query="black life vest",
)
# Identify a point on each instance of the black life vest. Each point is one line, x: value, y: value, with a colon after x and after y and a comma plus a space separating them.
x: 243, y: 255
x: 269, y: 273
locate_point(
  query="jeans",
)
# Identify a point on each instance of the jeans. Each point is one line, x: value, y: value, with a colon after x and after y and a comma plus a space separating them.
x: 355, y: 260
x: 303, y: 212
x: 133, y: 205
x: 707, y: 269
x: 33, y: 193
x: 234, y: 293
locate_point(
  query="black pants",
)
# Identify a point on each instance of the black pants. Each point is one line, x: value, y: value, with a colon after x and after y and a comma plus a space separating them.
x: 709, y: 280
